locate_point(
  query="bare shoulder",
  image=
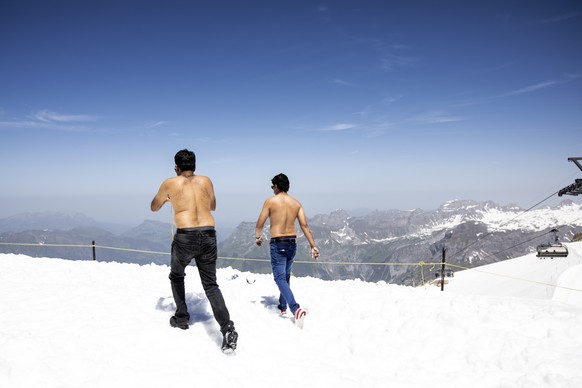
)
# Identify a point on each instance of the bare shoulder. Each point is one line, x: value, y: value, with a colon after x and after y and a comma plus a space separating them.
x: 171, y: 182
x: 284, y: 202
x: 203, y: 179
x: 293, y: 200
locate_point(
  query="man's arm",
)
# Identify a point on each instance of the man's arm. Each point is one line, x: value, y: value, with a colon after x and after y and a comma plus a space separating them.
x: 261, y: 222
x: 161, y: 197
x: 307, y: 232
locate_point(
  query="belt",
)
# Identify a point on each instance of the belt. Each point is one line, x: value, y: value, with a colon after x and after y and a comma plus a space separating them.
x: 194, y: 229
x: 283, y: 239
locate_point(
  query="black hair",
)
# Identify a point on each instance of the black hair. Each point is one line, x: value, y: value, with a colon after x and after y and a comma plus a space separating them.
x: 185, y: 160
x: 282, y: 182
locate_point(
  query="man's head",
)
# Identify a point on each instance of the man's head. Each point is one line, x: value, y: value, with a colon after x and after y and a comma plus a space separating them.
x: 185, y: 160
x: 281, y: 181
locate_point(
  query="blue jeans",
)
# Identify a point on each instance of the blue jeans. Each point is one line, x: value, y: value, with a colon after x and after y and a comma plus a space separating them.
x: 282, y: 255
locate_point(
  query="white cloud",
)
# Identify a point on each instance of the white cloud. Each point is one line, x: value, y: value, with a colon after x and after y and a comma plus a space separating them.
x: 48, y: 120
x: 542, y: 85
x: 157, y: 124
x: 436, y: 117
x: 390, y: 100
x: 391, y: 62
x: 532, y: 88
x: 341, y: 82
x: 339, y: 127
x: 561, y: 18
x: 528, y: 89
x: 382, y: 104
x: 366, y: 111
x: 48, y: 117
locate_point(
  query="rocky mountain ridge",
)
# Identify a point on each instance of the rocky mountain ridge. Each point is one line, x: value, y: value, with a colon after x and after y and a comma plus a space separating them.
x: 380, y: 245
x: 393, y: 242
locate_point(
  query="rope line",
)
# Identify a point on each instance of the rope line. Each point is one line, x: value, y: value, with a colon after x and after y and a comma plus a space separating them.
x: 49, y: 245
x: 523, y: 280
x: 420, y: 264
x: 84, y: 246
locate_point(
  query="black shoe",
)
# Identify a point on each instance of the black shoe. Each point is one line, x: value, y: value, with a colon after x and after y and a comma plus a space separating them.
x: 174, y: 323
x: 229, y: 341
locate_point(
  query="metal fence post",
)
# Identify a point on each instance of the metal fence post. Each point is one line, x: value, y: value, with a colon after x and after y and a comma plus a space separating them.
x: 443, y: 270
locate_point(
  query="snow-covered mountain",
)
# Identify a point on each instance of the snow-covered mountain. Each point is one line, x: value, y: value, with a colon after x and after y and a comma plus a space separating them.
x: 392, y: 242
x: 473, y: 233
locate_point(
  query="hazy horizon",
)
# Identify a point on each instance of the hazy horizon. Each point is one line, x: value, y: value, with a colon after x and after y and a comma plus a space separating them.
x: 167, y: 216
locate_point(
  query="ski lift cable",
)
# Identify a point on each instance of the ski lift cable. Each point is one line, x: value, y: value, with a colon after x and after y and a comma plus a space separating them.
x: 503, y: 224
x: 518, y: 244
x: 533, y: 238
x: 575, y: 160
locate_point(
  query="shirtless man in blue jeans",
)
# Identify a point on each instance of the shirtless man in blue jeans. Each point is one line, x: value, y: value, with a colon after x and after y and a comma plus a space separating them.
x: 282, y: 210
x: 192, y: 198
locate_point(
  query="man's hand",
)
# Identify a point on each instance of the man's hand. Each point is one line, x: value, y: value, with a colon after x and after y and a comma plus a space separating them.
x: 259, y: 240
x: 314, y: 253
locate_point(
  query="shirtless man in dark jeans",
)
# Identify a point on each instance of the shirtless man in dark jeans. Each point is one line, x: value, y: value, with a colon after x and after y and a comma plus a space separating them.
x: 192, y: 198
x: 282, y: 210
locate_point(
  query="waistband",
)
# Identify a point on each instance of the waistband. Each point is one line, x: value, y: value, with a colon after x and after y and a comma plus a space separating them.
x: 195, y: 229
x: 283, y: 239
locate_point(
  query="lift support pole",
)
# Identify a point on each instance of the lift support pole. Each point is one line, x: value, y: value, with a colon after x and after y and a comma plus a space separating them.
x: 576, y: 187
x: 576, y: 162
x: 443, y: 270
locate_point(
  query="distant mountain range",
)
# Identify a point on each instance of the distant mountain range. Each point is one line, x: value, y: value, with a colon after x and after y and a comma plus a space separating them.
x: 473, y: 234
x: 53, y: 221
x: 58, y: 232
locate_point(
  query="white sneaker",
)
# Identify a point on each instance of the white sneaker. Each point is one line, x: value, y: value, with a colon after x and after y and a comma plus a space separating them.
x: 300, y: 315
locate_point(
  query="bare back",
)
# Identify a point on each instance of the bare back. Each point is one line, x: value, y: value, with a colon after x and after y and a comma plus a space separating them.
x: 283, y: 211
x: 192, y: 198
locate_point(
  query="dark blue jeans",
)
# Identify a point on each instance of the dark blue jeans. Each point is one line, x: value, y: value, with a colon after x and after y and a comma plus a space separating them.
x: 198, y: 244
x: 282, y: 255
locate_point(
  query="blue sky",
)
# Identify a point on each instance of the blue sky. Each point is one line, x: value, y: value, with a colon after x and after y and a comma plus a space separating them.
x: 363, y: 104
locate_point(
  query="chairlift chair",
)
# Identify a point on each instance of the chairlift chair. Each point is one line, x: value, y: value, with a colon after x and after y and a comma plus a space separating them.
x: 553, y: 249
x: 449, y: 276
x: 449, y: 273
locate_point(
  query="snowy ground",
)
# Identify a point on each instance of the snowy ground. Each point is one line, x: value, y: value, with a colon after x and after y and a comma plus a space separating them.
x: 91, y: 324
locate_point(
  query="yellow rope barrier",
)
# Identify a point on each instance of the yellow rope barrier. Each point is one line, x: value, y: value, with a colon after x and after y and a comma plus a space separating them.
x: 85, y: 246
x: 421, y: 264
x: 49, y: 245
x: 520, y: 279
x: 130, y: 250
